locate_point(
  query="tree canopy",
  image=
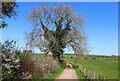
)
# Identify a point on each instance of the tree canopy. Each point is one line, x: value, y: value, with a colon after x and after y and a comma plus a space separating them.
x: 55, y: 28
x: 8, y: 11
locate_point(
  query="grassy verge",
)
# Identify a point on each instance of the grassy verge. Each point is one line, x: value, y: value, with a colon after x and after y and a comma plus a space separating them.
x: 53, y: 75
x: 79, y: 74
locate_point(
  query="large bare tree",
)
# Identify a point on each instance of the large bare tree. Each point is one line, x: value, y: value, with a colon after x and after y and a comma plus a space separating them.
x: 55, y: 28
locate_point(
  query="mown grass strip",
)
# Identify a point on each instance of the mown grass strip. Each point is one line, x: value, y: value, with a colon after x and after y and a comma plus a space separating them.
x: 79, y: 74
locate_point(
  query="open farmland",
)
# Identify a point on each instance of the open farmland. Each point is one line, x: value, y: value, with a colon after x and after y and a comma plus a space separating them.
x: 102, y: 66
x: 37, y: 43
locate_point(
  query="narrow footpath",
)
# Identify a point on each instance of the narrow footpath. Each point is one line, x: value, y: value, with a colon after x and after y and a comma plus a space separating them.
x: 68, y: 73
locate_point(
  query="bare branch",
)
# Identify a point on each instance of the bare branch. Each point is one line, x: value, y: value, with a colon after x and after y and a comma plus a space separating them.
x: 68, y: 30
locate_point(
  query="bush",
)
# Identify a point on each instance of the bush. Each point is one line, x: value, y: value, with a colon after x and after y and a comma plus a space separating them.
x: 63, y: 62
x: 75, y: 62
x: 26, y: 67
x: 45, y: 66
x: 94, y: 57
x: 69, y: 66
x: 75, y: 66
x: 35, y: 69
x: 14, y: 64
x: 10, y: 60
x: 86, y: 58
x: 71, y: 56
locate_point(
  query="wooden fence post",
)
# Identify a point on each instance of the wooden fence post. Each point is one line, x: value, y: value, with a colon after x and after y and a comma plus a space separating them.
x: 84, y: 70
x: 103, y: 78
x: 94, y: 76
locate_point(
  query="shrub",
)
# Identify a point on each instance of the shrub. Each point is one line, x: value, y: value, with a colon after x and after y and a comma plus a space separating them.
x: 86, y: 58
x: 106, y: 59
x: 75, y: 62
x: 75, y: 66
x: 115, y: 59
x: 63, y: 62
x: 69, y: 66
x: 35, y: 69
x: 10, y: 60
x: 14, y: 64
x: 26, y: 67
x: 45, y: 66
x: 94, y: 57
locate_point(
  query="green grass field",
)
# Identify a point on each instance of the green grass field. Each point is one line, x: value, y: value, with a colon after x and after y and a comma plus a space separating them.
x: 104, y: 66
x: 98, y: 59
